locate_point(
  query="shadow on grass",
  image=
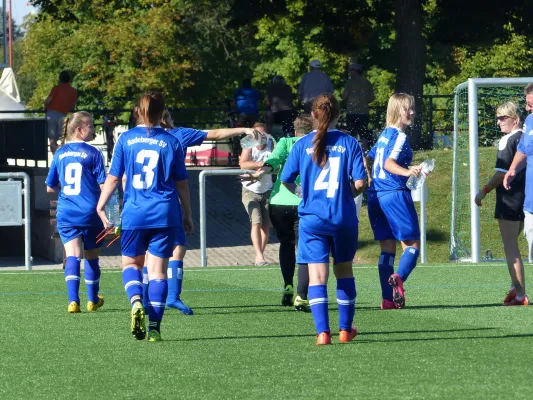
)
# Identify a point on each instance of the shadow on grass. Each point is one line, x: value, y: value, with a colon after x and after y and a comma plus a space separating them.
x: 416, y: 332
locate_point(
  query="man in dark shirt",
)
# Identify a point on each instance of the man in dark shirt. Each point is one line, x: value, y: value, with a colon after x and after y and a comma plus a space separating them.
x: 279, y: 100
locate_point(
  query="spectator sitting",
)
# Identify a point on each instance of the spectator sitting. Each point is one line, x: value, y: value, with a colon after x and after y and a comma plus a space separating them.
x: 313, y: 83
x: 245, y: 99
x: 255, y: 196
x: 61, y: 100
x: 279, y: 100
x: 358, y: 94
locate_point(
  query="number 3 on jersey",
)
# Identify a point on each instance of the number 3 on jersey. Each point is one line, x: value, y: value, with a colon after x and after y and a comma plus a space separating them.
x: 153, y: 157
x: 331, y: 168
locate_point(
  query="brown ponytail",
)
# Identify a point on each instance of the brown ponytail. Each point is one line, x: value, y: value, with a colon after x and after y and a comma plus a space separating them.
x: 325, y: 111
x: 64, y: 132
x: 151, y: 109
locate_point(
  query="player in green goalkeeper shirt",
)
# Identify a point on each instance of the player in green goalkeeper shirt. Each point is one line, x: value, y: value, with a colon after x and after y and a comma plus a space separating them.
x: 283, y: 212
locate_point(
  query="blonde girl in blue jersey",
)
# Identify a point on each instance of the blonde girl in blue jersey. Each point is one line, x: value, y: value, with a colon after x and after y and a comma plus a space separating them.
x: 153, y: 162
x: 391, y: 209
x: 330, y: 165
x: 77, y: 174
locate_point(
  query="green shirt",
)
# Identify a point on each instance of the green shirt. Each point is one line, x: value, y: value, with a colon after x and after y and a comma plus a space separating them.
x: 280, y: 194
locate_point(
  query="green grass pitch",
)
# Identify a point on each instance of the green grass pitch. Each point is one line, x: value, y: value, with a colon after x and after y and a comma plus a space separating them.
x: 453, y: 341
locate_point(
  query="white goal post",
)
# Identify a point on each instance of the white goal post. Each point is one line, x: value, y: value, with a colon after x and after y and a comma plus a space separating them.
x: 472, y: 86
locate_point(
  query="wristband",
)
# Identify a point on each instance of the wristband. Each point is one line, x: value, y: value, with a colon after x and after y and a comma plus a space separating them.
x: 486, y: 190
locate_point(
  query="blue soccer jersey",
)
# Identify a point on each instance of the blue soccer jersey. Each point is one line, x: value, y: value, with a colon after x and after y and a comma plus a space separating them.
x: 327, y: 202
x: 79, y: 168
x: 152, y: 163
x: 189, y: 137
x: 525, y: 146
x: 394, y: 144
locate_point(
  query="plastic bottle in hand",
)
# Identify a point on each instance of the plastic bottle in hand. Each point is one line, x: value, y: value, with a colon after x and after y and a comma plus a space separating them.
x: 415, y: 182
x: 249, y: 142
x: 113, y: 210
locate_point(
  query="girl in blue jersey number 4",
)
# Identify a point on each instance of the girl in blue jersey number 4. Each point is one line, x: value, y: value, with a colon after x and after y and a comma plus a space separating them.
x: 391, y: 209
x: 77, y: 173
x: 330, y: 165
x: 153, y: 162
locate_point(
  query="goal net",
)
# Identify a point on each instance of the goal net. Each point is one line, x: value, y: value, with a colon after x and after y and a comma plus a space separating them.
x: 475, y: 234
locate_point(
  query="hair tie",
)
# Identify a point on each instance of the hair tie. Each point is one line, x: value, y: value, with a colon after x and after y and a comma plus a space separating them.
x: 325, y: 105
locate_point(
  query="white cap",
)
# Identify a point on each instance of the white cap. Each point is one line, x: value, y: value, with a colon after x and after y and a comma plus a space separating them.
x: 315, y: 64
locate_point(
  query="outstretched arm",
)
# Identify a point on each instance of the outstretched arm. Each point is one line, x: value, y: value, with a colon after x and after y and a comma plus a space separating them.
x: 224, y: 133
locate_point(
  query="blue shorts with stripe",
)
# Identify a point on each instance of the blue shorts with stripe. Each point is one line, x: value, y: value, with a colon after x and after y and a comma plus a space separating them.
x: 314, y: 248
x: 157, y: 241
x: 393, y: 215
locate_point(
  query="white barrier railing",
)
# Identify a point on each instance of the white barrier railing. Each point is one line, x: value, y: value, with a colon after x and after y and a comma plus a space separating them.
x: 11, y: 194
x: 203, y: 216
x: 422, y: 193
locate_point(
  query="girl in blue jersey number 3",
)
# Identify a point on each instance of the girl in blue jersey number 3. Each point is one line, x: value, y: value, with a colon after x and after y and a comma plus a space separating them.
x: 330, y: 164
x: 153, y: 162
x: 77, y: 173
x: 391, y: 209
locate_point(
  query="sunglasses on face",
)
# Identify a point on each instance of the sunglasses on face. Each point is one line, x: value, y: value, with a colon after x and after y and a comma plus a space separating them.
x: 502, y: 118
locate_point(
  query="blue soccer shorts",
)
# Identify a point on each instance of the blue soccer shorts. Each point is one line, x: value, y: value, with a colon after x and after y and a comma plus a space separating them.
x: 157, y: 241
x: 180, y: 238
x: 314, y: 248
x: 88, y: 235
x: 393, y: 215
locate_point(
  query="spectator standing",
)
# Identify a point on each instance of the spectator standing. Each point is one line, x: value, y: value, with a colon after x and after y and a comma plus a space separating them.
x: 61, y: 100
x: 358, y: 94
x: 313, y: 84
x: 246, y: 101
x: 283, y: 212
x: 255, y: 196
x: 509, y: 204
x: 279, y: 101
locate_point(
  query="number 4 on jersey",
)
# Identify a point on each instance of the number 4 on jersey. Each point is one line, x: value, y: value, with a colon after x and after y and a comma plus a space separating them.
x: 330, y: 171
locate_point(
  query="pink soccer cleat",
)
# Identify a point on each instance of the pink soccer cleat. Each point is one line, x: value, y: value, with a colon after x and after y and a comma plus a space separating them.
x: 510, y: 296
x: 388, y: 305
x: 397, y: 290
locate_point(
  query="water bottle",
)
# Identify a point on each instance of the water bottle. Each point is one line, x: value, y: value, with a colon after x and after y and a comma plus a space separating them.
x: 113, y: 209
x: 249, y: 142
x: 415, y: 182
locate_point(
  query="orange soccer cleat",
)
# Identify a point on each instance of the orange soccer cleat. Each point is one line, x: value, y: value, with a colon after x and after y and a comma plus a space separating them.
x: 347, y: 336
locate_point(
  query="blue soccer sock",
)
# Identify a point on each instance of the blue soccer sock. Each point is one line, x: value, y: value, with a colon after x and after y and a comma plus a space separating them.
x: 175, y: 279
x: 157, y: 293
x: 386, y: 269
x: 318, y: 299
x: 132, y: 280
x: 72, y: 278
x: 91, y: 272
x: 346, y: 294
x: 145, y: 287
x: 407, y: 262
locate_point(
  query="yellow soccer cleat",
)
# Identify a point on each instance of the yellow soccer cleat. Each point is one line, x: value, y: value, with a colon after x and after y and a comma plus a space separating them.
x: 138, y: 323
x: 73, y: 308
x: 95, y: 306
x: 154, y: 336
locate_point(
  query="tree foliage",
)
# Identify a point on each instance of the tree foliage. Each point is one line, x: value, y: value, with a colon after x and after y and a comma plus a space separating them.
x: 198, y: 51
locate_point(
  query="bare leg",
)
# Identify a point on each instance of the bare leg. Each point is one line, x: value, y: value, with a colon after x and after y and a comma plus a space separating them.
x: 265, y: 231
x: 510, y: 230
x: 257, y: 243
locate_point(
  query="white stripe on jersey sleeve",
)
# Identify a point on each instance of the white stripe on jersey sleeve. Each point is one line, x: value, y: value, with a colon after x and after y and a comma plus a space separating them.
x: 398, y: 145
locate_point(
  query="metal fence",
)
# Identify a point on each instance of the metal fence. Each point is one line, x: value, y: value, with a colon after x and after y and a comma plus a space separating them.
x: 437, y: 117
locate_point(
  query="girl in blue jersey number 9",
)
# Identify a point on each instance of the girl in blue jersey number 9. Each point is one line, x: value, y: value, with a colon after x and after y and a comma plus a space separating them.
x: 77, y: 173
x: 330, y: 165
x: 153, y: 162
x: 391, y: 210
